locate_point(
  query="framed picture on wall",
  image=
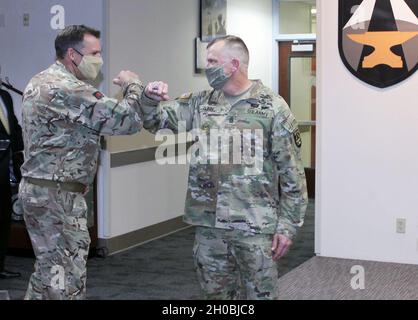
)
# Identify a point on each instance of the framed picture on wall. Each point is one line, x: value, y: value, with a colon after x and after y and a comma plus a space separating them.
x: 213, y: 19
x: 200, y: 55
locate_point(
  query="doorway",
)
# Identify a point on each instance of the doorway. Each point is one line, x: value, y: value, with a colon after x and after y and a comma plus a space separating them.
x: 297, y: 85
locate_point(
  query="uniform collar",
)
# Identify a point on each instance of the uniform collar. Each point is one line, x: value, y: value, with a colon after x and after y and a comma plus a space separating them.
x: 218, y: 97
x: 60, y: 66
x: 256, y: 92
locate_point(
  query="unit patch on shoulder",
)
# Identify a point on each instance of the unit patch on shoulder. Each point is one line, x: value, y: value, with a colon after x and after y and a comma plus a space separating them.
x: 98, y: 95
x: 297, y: 137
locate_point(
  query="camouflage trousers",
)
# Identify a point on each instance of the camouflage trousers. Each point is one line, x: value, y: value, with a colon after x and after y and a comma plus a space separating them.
x: 233, y: 264
x: 57, y: 225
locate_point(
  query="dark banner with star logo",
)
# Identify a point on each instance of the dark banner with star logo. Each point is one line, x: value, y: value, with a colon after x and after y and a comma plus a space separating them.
x: 378, y: 39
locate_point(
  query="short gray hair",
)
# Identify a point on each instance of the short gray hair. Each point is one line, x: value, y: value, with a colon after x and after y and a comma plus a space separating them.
x: 236, y: 45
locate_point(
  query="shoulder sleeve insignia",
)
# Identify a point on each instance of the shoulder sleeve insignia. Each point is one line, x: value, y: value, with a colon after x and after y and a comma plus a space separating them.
x: 98, y: 95
x: 297, y: 137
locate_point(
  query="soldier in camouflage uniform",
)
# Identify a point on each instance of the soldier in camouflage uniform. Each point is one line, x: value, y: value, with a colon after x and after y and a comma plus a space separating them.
x: 63, y: 119
x: 242, y: 226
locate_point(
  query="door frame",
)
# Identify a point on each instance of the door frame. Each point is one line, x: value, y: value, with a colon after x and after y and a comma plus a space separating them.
x: 276, y: 60
x: 285, y: 49
x: 277, y: 37
x: 284, y: 85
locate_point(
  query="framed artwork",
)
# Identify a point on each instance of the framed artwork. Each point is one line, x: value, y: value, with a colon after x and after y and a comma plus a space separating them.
x: 200, y: 55
x: 213, y: 19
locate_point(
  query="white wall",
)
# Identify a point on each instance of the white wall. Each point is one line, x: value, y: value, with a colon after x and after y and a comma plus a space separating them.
x: 253, y: 22
x: 368, y: 159
x: 145, y: 194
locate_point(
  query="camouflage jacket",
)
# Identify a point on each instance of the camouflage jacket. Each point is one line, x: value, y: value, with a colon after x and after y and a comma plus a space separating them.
x: 232, y: 196
x: 63, y: 119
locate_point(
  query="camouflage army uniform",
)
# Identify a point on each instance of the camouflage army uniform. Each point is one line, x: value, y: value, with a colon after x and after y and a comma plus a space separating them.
x: 63, y: 119
x: 228, y: 201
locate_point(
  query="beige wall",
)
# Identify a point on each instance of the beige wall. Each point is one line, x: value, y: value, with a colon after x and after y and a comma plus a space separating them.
x: 295, y: 17
x: 148, y: 193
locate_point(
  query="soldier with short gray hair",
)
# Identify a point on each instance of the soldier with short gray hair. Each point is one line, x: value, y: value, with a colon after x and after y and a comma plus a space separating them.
x: 63, y: 119
x: 243, y: 227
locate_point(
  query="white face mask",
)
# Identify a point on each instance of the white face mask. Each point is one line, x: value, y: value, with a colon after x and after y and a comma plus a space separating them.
x: 89, y: 66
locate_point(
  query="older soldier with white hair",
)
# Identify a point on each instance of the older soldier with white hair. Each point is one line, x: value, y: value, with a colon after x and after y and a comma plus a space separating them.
x: 243, y: 226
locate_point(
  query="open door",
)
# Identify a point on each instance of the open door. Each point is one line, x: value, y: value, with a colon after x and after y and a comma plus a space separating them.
x: 297, y: 78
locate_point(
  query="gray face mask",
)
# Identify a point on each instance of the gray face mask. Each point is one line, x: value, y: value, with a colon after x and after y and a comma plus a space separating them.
x: 216, y: 77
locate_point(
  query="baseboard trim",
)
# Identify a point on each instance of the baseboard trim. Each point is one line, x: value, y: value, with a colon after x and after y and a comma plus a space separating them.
x: 142, y: 236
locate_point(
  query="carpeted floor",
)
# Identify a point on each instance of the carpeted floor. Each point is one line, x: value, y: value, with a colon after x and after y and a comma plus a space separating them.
x: 161, y: 269
x: 323, y: 278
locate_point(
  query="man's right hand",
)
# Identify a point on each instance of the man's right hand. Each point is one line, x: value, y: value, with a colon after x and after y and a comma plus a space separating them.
x: 125, y: 77
x: 157, y: 91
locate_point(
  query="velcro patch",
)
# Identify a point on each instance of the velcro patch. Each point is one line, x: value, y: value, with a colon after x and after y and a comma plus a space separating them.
x: 297, y: 137
x: 98, y: 95
x: 259, y: 112
x: 290, y: 123
x: 207, y: 108
x: 185, y: 97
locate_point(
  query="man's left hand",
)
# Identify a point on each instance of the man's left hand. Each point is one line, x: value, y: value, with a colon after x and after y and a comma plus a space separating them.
x: 281, y: 245
x: 125, y: 77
